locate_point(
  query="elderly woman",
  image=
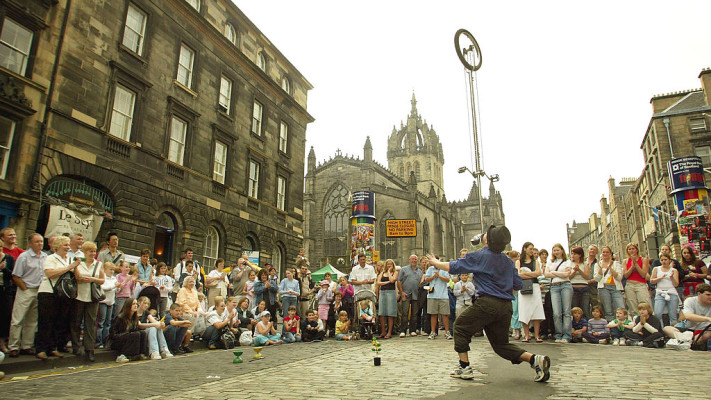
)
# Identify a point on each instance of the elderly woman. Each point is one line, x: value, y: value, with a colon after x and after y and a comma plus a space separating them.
x: 216, y: 282
x: 83, y: 306
x: 53, y: 312
x: 188, y: 299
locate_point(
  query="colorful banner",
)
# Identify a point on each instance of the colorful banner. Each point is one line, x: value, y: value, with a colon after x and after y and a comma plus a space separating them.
x: 686, y: 173
x: 362, y: 239
x: 63, y: 221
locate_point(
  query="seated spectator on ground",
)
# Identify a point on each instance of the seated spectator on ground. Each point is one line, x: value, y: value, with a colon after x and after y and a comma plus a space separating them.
x: 618, y: 326
x: 176, y: 333
x: 580, y: 324
x: 312, y: 329
x: 157, y: 346
x: 261, y: 306
x: 696, y: 313
x: 292, y: 326
x: 647, y: 330
x: 266, y: 334
x: 217, y: 321
x: 343, y: 327
x: 597, y: 332
x: 245, y: 316
x: 127, y: 338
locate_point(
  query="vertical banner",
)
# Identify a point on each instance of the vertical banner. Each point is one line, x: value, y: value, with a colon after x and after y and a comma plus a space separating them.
x: 362, y: 226
x: 686, y: 175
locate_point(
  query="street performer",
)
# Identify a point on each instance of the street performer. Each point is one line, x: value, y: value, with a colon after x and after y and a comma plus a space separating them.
x: 495, y: 278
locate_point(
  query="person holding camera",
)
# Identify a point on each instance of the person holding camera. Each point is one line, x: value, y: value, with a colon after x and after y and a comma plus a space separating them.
x: 495, y: 278
x: 240, y: 276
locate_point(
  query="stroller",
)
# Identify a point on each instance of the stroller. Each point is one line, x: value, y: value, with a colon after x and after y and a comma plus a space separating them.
x: 153, y: 294
x: 364, y: 328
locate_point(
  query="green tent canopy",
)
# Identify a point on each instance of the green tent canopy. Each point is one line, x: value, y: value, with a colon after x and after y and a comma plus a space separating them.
x: 317, y: 276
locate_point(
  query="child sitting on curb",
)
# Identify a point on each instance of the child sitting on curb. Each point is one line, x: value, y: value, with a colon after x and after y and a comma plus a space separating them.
x: 618, y: 326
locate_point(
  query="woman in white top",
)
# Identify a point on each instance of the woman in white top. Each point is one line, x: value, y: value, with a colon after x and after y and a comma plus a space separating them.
x: 164, y: 283
x: 561, y: 291
x: 530, y: 306
x: 579, y: 276
x: 667, y: 279
x: 216, y: 282
x: 53, y: 312
x: 84, y: 308
x: 608, y: 274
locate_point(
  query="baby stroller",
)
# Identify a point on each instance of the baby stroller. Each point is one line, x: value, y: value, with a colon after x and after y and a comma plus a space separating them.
x: 153, y: 294
x: 365, y: 329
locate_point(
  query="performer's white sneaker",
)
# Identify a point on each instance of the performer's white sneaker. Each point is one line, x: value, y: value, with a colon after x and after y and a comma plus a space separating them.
x: 463, y: 373
x: 542, y: 365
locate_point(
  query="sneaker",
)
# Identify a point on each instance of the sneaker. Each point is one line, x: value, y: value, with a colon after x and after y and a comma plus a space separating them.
x: 424, y: 333
x: 585, y: 340
x: 542, y: 365
x: 165, y: 354
x: 640, y: 343
x: 564, y: 341
x: 463, y: 373
x: 432, y: 336
x: 155, y: 356
x: 402, y: 334
x: 616, y: 342
x: 122, y: 359
x: 623, y: 342
x: 603, y: 341
x: 559, y: 340
x: 448, y: 335
x: 101, y: 346
x: 187, y: 349
x: 413, y: 334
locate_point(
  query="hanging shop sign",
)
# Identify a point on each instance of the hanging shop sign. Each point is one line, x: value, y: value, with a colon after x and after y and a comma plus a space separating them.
x: 63, y: 221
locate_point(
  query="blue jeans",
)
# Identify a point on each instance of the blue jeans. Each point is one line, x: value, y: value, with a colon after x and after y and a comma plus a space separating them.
x: 288, y: 301
x: 156, y: 340
x: 672, y: 306
x: 174, y: 336
x: 104, y: 323
x: 611, y: 300
x: 291, y: 337
x: 561, y: 297
x: 260, y: 340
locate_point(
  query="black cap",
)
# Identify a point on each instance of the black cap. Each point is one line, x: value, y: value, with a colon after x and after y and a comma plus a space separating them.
x: 498, y: 237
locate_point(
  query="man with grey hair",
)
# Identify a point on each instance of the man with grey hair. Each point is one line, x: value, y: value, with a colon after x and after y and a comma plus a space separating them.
x: 27, y: 275
x: 75, y: 242
x: 408, y: 282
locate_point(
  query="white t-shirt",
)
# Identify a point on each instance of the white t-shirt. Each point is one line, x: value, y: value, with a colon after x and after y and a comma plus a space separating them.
x: 213, y: 317
x: 692, y: 306
x: 359, y: 274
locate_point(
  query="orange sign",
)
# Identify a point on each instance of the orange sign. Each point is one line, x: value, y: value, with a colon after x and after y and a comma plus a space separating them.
x: 400, y: 228
x: 376, y: 256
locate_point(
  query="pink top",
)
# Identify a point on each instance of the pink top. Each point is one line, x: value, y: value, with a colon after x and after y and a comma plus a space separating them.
x: 635, y: 276
x: 125, y: 291
x: 346, y: 291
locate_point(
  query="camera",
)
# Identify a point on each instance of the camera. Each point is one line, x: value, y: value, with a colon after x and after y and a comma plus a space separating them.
x: 477, y: 239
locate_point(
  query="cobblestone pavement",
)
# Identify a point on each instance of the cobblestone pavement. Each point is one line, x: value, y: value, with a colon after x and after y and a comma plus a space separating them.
x: 412, y: 368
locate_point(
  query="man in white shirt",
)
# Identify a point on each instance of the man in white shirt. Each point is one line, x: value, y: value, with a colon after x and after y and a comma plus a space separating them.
x: 362, y: 275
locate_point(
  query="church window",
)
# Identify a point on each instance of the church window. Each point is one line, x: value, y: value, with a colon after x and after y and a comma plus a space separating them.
x: 387, y: 246
x: 417, y: 171
x: 336, y: 212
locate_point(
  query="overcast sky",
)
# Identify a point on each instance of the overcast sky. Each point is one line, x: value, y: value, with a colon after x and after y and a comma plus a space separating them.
x: 564, y: 88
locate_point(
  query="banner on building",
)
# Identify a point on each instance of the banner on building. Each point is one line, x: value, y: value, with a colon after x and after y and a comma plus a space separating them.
x: 400, y: 228
x: 63, y: 221
x: 686, y: 173
x: 363, y: 204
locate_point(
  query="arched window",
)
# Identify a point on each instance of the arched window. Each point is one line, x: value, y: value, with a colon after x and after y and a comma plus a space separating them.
x: 261, y: 61
x: 401, y: 170
x: 278, y: 259
x: 417, y: 170
x: 426, y: 237
x: 408, y: 169
x: 387, y: 246
x: 285, y: 84
x: 212, y: 248
x: 230, y: 33
x: 336, y: 212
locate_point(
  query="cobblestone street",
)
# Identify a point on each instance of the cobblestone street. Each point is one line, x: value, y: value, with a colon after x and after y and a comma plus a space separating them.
x: 412, y: 368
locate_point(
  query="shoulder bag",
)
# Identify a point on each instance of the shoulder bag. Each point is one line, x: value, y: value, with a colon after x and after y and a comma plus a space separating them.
x: 97, y: 293
x: 65, y: 287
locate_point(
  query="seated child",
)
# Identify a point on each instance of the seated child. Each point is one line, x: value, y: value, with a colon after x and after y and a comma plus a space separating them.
x: 292, y: 328
x: 176, y: 332
x: 367, y: 320
x: 597, y: 332
x: 266, y: 334
x: 619, y: 325
x: 312, y: 329
x: 647, y: 330
x: 343, y: 326
x: 580, y: 324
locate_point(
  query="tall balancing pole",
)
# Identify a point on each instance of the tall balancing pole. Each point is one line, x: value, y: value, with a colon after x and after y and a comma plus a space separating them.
x: 470, y: 56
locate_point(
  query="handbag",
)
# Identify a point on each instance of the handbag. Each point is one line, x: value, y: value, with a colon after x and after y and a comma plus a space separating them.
x: 66, y: 286
x: 97, y: 293
x: 526, y: 287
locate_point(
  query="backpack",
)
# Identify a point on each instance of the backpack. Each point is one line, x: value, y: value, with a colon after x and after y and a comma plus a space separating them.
x: 228, y: 339
x: 245, y: 339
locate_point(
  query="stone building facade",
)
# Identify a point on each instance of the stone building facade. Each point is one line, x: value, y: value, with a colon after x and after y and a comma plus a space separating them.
x: 411, y: 187
x: 178, y: 121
